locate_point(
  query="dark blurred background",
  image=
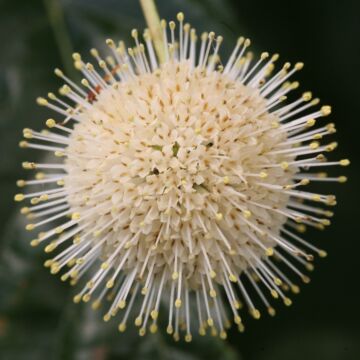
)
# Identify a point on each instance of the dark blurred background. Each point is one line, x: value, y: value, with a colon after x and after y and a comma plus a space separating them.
x: 37, y: 318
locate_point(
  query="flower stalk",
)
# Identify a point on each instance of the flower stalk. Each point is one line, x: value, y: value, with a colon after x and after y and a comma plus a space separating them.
x: 153, y: 21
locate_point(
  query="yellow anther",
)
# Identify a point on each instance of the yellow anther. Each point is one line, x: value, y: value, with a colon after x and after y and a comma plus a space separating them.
x: 342, y: 179
x: 96, y: 305
x: 287, y: 301
x: 315, y: 101
x: 85, y: 82
x: 169, y: 329
x: 264, y: 55
x: 77, y: 298
x: 54, y: 269
x: 326, y: 110
x: 105, y: 265
x: 241, y: 327
x: 39, y: 176
x: 138, y: 321
x: 274, y: 293
x: 188, y: 337
x: 175, y: 275
x: 172, y: 25
x: 153, y: 328
x: 44, y: 197
x: 28, y: 165
x: 144, y: 290
x: 107, y: 317
x: 163, y: 23
x: 65, y: 89
x: 299, y: 65
x: 255, y: 314
x: 226, y: 180
x: 34, y: 201
x: 271, y: 311
x: 178, y: 303
x: 41, y: 101
x: 310, y: 122
x: 295, y: 289
x: 75, y: 216
x: 23, y: 144
x: 263, y: 174
x: 48, y: 263
x: 50, y: 123
x: 237, y: 319
x: 269, y: 252
x: 247, y: 214
x: 344, y: 162
x: 58, y: 72
x: 210, y: 322
x: 314, y: 145
x: 180, y: 16
x: 94, y: 52
x: 19, y: 197
x: 275, y: 124
x: 322, y: 253
x: 304, y: 181
x: 284, y: 165
x: 122, y: 304
x: 34, y: 242
x: 76, y: 56
x: 247, y: 42
x: 77, y: 239
x: 25, y: 210
x: 212, y: 293
x: 232, y: 278
x: 134, y: 33
x: 30, y: 227
x: 122, y: 327
x: 110, y: 284
x: 331, y: 128
x: 52, y: 96
x: 154, y: 314
x: 307, y: 96
x: 51, y: 247
x: 331, y: 146
x: 219, y: 216
x: 59, y: 230
x: 286, y: 66
x: 212, y: 274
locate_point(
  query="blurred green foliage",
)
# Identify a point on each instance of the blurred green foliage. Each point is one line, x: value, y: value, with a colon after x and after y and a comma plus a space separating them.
x: 37, y: 317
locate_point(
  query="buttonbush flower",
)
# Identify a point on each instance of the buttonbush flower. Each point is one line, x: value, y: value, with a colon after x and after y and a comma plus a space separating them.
x: 183, y: 185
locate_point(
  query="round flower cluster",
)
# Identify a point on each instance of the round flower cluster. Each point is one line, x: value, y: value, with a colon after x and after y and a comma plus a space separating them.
x: 180, y: 180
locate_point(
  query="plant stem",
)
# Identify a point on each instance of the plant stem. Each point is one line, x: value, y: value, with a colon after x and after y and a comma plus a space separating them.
x: 153, y: 22
x: 56, y: 18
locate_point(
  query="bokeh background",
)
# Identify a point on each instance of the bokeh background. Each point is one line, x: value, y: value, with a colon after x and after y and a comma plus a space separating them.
x: 37, y: 317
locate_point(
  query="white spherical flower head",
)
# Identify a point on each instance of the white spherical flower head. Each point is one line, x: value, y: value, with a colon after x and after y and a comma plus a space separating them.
x: 182, y: 179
